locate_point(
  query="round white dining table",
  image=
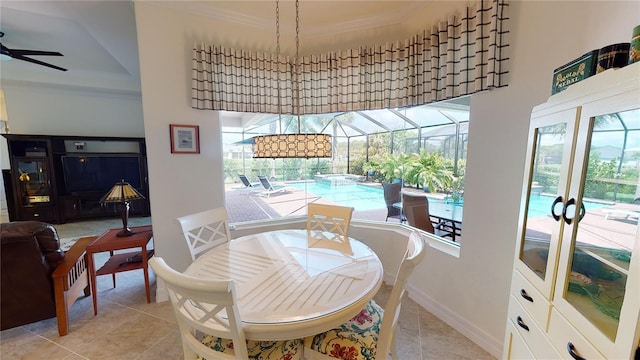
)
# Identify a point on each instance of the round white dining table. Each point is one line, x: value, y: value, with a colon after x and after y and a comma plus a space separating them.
x: 294, y: 283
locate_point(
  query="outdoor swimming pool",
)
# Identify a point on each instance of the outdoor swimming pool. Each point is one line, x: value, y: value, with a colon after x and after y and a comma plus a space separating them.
x: 363, y: 197
x: 360, y: 197
x: 540, y: 205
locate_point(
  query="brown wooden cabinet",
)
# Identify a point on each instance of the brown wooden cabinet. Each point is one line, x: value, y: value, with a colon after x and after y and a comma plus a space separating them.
x: 62, y: 178
x: 34, y: 197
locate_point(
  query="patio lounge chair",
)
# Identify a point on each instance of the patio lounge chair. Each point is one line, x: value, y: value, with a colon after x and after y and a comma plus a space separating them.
x: 272, y: 188
x: 249, y: 186
x: 624, y: 212
x: 246, y: 182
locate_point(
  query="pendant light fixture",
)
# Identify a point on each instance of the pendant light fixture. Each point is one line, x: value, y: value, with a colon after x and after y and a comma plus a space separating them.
x: 291, y: 145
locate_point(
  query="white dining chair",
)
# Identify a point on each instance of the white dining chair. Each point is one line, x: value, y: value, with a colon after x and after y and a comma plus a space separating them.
x: 329, y: 218
x: 371, y: 333
x: 209, y: 322
x: 205, y: 230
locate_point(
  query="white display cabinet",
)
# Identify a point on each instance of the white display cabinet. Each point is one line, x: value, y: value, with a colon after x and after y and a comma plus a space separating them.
x: 575, y: 291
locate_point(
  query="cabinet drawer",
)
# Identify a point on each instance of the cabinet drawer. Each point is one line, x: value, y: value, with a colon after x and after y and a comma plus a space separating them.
x: 38, y: 213
x: 562, y: 333
x: 530, y: 332
x: 530, y: 299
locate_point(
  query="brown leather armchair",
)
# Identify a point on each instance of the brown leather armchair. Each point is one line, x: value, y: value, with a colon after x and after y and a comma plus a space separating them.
x: 39, y: 281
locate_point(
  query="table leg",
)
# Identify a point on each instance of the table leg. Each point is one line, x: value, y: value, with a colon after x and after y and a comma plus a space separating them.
x: 92, y: 279
x: 113, y: 276
x: 61, y: 306
x: 145, y: 269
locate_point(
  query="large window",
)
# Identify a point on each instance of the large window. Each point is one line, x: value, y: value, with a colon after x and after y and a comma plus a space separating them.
x: 423, y: 147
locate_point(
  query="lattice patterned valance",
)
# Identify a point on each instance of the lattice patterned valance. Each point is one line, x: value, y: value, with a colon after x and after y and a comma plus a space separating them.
x: 460, y: 56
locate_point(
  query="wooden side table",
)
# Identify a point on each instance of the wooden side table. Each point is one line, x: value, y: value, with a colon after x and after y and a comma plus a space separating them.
x: 131, y: 260
x: 71, y: 278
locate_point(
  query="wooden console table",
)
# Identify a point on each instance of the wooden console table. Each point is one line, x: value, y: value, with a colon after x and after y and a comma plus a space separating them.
x: 131, y: 260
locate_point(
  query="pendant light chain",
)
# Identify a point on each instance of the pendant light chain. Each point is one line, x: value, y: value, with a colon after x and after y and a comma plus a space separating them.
x: 297, y: 73
x: 293, y: 145
x: 278, y: 64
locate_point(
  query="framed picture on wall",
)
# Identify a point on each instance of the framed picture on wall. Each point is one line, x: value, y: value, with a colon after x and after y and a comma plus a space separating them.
x: 184, y: 139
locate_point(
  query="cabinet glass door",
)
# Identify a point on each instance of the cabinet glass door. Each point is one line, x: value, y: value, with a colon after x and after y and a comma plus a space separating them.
x: 33, y: 177
x: 550, y: 152
x: 605, y: 217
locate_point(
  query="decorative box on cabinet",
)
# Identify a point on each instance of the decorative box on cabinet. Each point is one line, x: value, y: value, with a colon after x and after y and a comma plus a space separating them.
x: 576, y: 282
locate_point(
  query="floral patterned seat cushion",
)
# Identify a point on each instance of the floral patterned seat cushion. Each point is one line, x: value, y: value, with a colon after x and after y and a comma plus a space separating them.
x: 355, y: 339
x: 259, y: 350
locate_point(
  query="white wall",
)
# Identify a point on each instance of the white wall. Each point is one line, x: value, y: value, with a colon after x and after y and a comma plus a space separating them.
x: 180, y: 184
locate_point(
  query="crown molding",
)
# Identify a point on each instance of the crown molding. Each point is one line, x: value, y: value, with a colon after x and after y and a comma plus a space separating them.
x: 374, y: 19
x: 72, y: 89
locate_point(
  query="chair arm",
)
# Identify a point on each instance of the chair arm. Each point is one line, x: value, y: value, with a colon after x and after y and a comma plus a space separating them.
x: 69, y: 279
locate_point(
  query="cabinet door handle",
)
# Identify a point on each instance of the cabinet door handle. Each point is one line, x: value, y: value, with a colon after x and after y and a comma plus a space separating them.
x: 553, y: 207
x: 526, y: 296
x: 571, y: 201
x: 521, y: 323
x: 582, y: 211
x: 572, y: 351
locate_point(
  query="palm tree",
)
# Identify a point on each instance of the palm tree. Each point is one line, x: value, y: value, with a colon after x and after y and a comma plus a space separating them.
x: 395, y: 166
x: 431, y: 170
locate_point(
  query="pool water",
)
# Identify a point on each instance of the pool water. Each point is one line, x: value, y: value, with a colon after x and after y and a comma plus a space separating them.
x: 540, y: 205
x: 360, y: 197
x: 363, y: 197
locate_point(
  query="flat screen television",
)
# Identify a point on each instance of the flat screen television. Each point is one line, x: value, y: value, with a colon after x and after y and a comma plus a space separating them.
x: 99, y: 173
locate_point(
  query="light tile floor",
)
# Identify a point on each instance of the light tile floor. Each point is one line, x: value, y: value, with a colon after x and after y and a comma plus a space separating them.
x: 126, y: 327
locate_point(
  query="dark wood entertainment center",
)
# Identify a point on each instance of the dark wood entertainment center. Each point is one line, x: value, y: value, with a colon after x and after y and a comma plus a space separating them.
x: 62, y: 178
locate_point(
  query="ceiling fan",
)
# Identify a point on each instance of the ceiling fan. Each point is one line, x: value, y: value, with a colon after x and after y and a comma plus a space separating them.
x: 19, y: 54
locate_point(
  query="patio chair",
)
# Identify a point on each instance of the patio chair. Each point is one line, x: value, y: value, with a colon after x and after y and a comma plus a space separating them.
x: 392, y: 196
x: 416, y: 210
x: 209, y: 321
x: 372, y: 331
x: 272, y: 188
x: 248, y: 185
x: 205, y: 230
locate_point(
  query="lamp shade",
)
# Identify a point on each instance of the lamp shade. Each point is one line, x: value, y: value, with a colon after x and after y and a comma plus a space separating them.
x: 3, y: 107
x: 121, y: 192
x: 292, y: 146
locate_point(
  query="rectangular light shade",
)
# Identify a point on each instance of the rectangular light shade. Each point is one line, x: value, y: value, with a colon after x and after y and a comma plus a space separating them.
x: 3, y: 107
x: 121, y: 192
x: 292, y: 146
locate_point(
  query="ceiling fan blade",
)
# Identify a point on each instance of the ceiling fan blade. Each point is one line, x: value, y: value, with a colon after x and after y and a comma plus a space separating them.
x: 4, y: 50
x: 38, y: 62
x: 19, y: 52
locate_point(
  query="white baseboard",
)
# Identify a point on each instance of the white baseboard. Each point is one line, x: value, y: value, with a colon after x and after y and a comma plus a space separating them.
x: 471, y: 331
